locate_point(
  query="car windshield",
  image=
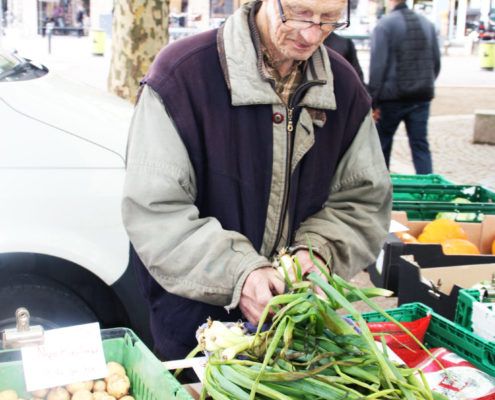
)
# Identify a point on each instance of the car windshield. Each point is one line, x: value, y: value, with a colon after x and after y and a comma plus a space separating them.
x: 15, y: 68
x: 7, y: 62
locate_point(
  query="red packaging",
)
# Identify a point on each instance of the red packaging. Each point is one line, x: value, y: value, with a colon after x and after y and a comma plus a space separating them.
x: 459, y: 380
x: 399, y: 341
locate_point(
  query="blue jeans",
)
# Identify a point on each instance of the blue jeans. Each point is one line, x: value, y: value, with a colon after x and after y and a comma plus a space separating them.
x: 415, y: 116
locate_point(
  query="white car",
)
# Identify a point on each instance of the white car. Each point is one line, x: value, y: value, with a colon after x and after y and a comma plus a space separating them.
x: 63, y: 248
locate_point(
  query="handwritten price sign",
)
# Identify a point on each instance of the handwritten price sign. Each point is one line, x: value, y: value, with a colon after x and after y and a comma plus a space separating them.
x: 68, y: 355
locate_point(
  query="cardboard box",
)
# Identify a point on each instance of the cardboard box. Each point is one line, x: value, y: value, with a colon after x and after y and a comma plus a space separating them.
x: 438, y: 287
x: 385, y: 272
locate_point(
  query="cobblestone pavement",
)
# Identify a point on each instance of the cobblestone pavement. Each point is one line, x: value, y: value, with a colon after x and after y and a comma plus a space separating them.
x: 454, y: 154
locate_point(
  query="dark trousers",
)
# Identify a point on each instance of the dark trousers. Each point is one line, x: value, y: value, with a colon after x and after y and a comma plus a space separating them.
x: 415, y: 116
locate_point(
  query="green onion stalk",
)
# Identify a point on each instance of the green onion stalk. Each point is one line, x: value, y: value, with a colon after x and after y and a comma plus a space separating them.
x: 309, y: 351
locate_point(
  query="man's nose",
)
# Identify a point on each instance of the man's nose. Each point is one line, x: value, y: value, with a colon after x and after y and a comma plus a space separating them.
x: 312, y: 35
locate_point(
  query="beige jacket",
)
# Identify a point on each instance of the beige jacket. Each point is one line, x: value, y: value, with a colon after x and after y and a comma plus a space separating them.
x: 194, y: 257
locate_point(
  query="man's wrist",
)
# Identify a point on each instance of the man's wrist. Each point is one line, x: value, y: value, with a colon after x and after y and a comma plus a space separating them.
x: 292, y: 250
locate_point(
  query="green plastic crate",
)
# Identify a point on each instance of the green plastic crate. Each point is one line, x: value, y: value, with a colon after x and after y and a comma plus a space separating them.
x: 444, y: 333
x: 464, y: 311
x: 464, y: 307
x: 447, y: 193
x: 404, y: 179
x: 427, y: 211
x: 150, y: 380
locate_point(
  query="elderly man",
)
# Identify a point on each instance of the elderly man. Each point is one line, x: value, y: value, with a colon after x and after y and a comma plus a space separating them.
x: 246, y: 140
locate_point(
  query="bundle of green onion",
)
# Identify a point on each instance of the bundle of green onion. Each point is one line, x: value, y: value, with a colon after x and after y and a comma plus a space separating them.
x: 309, y: 351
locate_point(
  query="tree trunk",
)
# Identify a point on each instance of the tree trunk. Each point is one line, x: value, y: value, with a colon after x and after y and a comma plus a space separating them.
x: 139, y: 31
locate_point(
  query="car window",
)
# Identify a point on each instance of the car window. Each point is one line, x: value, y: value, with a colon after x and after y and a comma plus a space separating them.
x: 14, y: 68
x: 7, y: 62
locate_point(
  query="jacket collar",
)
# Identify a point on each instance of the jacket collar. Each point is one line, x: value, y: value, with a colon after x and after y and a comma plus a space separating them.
x: 400, y: 6
x: 242, y: 74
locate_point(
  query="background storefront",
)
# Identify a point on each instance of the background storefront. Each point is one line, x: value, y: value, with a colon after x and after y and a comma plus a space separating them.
x: 68, y: 16
x: 455, y: 19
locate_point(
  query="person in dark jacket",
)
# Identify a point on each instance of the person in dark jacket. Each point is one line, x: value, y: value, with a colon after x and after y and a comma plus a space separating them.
x: 345, y: 47
x: 246, y: 140
x: 404, y: 63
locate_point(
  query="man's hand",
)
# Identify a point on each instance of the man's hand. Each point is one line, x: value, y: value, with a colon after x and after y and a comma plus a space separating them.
x: 307, y: 265
x: 376, y: 115
x: 260, y: 286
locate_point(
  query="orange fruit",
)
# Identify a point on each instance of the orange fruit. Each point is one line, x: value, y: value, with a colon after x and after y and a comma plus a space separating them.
x: 493, y: 247
x: 441, y: 229
x: 459, y: 246
x: 406, y: 237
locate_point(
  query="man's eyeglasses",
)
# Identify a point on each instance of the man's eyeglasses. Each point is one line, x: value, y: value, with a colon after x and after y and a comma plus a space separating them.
x: 324, y: 26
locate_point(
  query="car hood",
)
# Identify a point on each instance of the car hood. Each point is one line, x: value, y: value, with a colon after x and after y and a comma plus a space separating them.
x: 86, y: 126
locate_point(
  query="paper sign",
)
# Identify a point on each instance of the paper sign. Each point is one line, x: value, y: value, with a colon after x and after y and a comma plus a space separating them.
x: 397, y: 227
x: 198, y: 364
x: 483, y: 319
x: 67, y: 355
x: 379, y: 261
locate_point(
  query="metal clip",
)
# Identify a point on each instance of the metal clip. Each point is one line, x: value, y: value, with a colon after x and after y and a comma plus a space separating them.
x: 435, y: 289
x: 488, y: 291
x: 23, y: 334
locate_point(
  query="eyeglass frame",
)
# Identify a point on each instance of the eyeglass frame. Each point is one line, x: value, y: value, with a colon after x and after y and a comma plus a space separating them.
x: 334, y: 25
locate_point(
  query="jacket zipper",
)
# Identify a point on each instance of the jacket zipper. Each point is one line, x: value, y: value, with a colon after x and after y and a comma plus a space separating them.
x: 288, y: 164
x: 288, y: 167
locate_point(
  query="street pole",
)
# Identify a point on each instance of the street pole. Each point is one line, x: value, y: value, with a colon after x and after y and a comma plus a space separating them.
x: 49, y: 31
x: 451, y: 19
x: 1, y: 20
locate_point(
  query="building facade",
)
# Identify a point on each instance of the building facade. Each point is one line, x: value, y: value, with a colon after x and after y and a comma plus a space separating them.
x: 453, y: 18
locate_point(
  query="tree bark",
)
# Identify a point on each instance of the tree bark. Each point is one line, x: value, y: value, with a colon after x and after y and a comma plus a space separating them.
x: 139, y: 31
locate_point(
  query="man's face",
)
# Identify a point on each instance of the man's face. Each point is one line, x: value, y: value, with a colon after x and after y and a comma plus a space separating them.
x: 300, y: 44
x: 390, y: 6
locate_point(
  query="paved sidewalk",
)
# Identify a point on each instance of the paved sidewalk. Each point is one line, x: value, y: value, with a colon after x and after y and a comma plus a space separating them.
x: 454, y: 154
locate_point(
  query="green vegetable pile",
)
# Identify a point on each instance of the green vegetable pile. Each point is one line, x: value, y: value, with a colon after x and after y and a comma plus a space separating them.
x: 309, y: 350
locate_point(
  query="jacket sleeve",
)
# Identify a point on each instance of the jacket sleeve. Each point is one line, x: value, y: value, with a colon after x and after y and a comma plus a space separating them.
x: 349, y: 231
x: 189, y: 256
x: 379, y: 59
x: 436, y: 52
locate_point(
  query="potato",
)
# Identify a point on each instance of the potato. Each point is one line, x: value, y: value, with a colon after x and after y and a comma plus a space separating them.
x: 99, y: 386
x: 39, y: 393
x: 8, y: 395
x: 58, y: 393
x: 118, y: 385
x: 77, y: 386
x: 102, y: 396
x: 82, y: 394
x: 127, y: 397
x: 115, y: 368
